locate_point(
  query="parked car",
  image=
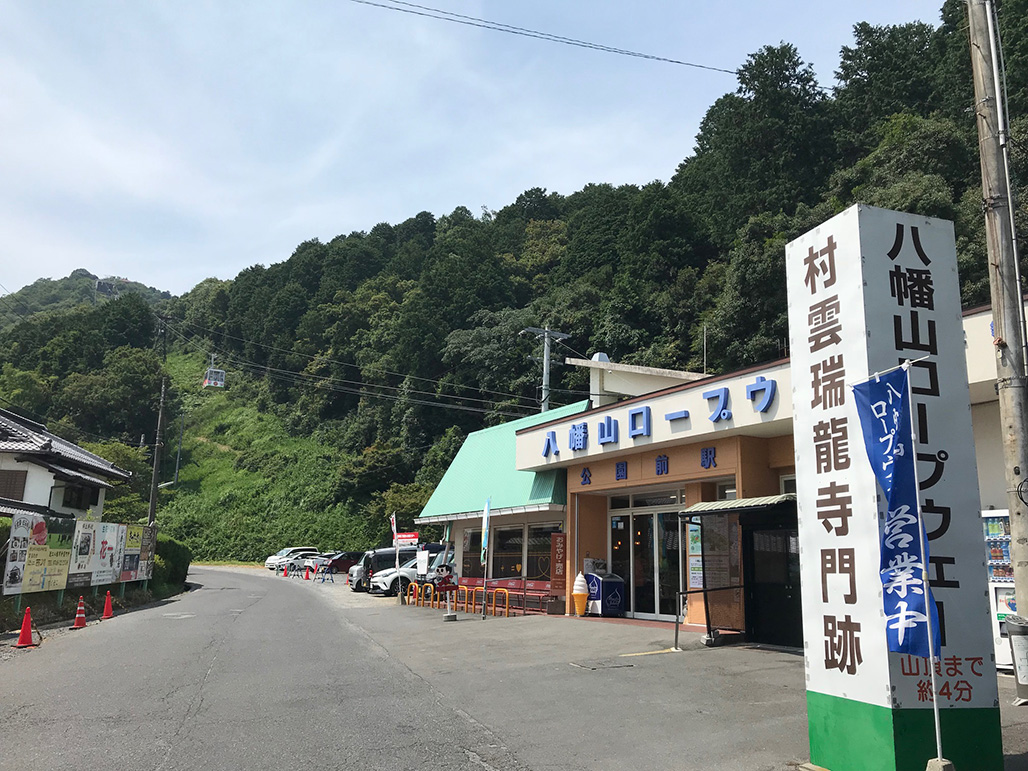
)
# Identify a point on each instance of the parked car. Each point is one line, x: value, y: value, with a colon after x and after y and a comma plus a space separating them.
x: 355, y: 575
x: 380, y: 559
x: 342, y: 561
x: 389, y: 581
x: 385, y: 581
x: 278, y: 559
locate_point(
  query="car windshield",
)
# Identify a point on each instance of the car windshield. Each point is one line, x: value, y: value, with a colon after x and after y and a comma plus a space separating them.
x: 437, y: 560
x: 284, y: 552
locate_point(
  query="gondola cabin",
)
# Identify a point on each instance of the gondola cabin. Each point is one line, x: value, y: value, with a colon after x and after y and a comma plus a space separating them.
x: 215, y: 378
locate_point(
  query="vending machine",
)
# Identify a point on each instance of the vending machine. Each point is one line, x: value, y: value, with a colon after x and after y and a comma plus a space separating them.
x: 996, y: 527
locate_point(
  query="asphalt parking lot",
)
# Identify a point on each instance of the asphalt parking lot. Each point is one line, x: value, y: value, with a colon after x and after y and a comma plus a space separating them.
x: 558, y: 678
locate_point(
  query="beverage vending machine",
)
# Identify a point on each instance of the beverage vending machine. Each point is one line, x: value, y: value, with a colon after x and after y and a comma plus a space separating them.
x: 996, y: 528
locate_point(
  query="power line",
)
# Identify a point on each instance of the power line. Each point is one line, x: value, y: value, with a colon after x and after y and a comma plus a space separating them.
x: 471, y: 21
x: 325, y: 359
x: 357, y: 388
x: 399, y: 389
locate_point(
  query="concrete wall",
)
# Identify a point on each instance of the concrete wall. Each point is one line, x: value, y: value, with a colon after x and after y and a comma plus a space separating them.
x: 988, y: 448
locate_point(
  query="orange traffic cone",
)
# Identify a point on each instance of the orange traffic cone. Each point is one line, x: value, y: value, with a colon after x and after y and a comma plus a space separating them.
x: 80, y: 616
x: 307, y: 574
x: 285, y: 571
x: 108, y: 610
x: 25, y: 638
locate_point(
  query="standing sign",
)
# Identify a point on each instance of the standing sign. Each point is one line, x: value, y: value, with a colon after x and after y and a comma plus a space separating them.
x: 108, y: 553
x: 130, y: 561
x: 558, y: 564
x: 405, y: 539
x: 146, y: 552
x: 869, y: 289
x: 85, y: 559
x: 38, y: 554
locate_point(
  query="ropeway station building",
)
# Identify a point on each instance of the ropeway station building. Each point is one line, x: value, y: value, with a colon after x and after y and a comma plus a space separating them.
x: 615, y: 472
x: 717, y: 499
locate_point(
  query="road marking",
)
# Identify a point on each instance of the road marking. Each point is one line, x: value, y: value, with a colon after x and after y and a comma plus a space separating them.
x: 179, y: 616
x: 647, y: 653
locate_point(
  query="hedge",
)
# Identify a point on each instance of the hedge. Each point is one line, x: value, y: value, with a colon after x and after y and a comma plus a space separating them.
x: 175, y: 557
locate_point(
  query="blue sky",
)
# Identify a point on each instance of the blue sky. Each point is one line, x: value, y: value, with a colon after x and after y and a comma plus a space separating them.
x: 168, y: 142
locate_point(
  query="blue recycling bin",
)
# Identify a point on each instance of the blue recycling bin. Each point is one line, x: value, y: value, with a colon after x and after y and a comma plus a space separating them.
x: 606, y: 594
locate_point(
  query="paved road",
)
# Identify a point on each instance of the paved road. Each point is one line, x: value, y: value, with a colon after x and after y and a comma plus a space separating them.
x: 249, y: 671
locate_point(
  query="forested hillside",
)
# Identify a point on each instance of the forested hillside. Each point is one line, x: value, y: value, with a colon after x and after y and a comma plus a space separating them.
x: 355, y: 367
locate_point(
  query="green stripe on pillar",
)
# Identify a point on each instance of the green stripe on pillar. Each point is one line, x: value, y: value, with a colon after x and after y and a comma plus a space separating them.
x: 848, y: 735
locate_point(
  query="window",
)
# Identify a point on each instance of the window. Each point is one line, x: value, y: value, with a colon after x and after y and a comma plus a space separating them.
x: 76, y: 497
x: 12, y: 485
x: 471, y: 561
x: 726, y: 491
x: 537, y: 565
x: 508, y: 550
x: 787, y: 484
x: 620, y: 502
x: 662, y: 498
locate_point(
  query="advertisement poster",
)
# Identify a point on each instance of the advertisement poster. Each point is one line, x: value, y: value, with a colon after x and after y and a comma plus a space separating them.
x: 21, y: 532
x: 108, y: 554
x: 84, y: 558
x: 49, y: 552
x: 695, y: 572
x: 1005, y: 603
x: 130, y: 560
x: 695, y: 544
x: 146, y: 551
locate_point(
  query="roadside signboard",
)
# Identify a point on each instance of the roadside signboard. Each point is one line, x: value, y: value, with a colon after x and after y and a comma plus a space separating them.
x: 868, y: 290
x: 405, y: 539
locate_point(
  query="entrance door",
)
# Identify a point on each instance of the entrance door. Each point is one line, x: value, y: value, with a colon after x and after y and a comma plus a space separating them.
x: 773, y: 612
x: 644, y: 552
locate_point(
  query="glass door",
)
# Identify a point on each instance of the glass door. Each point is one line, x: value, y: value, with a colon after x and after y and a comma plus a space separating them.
x: 669, y: 575
x: 644, y: 552
x: 644, y: 588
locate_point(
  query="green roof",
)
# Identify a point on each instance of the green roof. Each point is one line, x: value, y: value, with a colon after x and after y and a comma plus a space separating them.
x: 485, y: 469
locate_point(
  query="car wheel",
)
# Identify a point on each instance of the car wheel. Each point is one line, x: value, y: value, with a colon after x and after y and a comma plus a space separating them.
x: 404, y: 584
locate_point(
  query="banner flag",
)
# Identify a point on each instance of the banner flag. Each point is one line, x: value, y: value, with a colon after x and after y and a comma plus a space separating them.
x: 884, y: 410
x: 485, y: 532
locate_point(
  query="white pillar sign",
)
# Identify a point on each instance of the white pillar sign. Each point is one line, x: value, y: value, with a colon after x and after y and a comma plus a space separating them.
x: 869, y: 289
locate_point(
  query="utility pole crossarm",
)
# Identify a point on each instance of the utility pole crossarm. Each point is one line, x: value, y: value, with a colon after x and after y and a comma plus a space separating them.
x: 546, y: 334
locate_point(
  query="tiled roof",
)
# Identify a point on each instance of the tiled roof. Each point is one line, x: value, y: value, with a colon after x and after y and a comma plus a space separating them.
x: 10, y: 508
x: 20, y: 435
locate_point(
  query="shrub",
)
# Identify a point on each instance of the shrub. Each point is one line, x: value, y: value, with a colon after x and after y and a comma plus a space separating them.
x: 176, y: 557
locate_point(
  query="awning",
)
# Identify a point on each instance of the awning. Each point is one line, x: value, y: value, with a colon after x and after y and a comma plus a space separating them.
x: 509, y: 511
x: 739, y: 504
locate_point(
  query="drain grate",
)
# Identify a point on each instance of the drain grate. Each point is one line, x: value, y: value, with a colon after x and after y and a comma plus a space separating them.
x: 601, y: 664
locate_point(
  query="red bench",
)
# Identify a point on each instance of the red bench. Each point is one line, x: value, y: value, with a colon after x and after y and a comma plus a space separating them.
x: 527, y: 593
x: 538, y: 591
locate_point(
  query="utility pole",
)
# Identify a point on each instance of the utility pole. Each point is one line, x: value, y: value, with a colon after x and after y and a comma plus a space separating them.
x: 1005, y: 283
x: 546, y: 334
x: 157, y: 446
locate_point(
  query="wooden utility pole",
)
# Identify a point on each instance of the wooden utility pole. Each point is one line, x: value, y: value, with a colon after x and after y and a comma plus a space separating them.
x: 1005, y: 284
x: 157, y: 445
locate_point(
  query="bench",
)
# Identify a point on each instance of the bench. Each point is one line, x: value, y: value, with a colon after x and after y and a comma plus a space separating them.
x: 526, y: 593
x: 538, y: 591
